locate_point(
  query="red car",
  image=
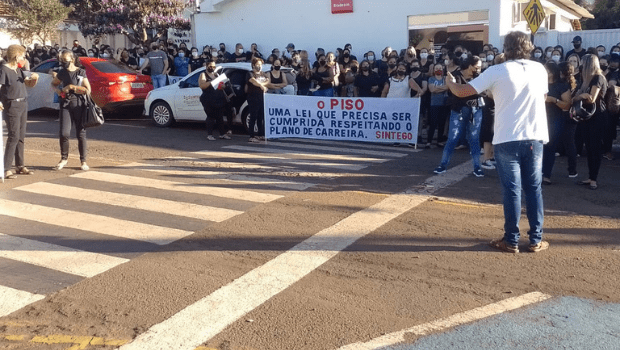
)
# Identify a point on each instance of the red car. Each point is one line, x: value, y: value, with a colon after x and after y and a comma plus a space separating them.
x: 113, y: 84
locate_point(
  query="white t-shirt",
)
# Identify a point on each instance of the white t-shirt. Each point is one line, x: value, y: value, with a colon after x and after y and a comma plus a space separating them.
x: 399, y: 89
x: 519, y: 88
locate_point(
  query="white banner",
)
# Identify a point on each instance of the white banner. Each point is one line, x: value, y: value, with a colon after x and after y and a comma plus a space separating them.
x: 386, y: 120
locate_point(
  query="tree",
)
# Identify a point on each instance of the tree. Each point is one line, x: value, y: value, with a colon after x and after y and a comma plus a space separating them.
x: 36, y: 19
x: 133, y: 18
x: 606, y: 15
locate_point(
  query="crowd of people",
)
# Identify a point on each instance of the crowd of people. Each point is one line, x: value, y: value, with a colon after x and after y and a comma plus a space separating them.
x: 450, y: 122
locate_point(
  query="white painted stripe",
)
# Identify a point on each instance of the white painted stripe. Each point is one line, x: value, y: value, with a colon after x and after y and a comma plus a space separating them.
x: 221, y: 175
x: 157, y: 205
x: 203, y: 320
x: 12, y: 300
x: 55, y: 257
x: 223, y: 165
x: 250, y: 196
x: 301, y: 154
x: 452, y: 321
x: 393, y: 154
x: 280, y: 160
x: 352, y: 144
x: 93, y: 223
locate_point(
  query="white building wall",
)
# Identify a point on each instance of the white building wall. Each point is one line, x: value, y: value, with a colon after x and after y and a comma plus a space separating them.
x: 310, y: 24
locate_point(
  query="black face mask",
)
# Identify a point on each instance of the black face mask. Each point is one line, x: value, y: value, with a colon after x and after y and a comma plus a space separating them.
x: 475, y: 74
x: 415, y: 69
x: 354, y: 69
x: 210, y: 69
x: 277, y: 67
x: 222, y: 48
x: 392, y: 65
x: 65, y: 64
x: 604, y: 67
x: 365, y: 69
x: 577, y: 46
x: 401, y: 72
x: 346, y: 55
x: 322, y: 63
x: 458, y: 54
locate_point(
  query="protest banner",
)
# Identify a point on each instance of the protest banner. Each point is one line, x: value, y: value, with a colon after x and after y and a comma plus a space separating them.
x: 386, y: 120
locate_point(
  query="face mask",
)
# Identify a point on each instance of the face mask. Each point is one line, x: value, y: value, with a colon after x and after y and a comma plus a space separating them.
x: 490, y: 58
x: 415, y: 69
x: 194, y: 54
x: 75, y: 44
x: 276, y: 67
x: 371, y: 58
x: 464, y: 56
x: 346, y: 55
x: 548, y: 54
x: 214, y: 53
x: 20, y: 64
x: 423, y: 55
x: 105, y: 55
x: 392, y: 65
x: 604, y: 67
x: 475, y: 74
x: 210, y: 69
x: 322, y: 63
x: 556, y: 58
x: 458, y: 53
x: 65, y: 64
x: 365, y: 68
x: 577, y: 46
x: 483, y: 58
x: 90, y: 54
x: 402, y: 72
x: 616, y: 53
x: 222, y: 48
x: 446, y: 62
x: 181, y: 54
x: 439, y: 72
x: 354, y: 69
x: 537, y: 54
x: 601, y: 54
x: 240, y: 51
x: 257, y: 68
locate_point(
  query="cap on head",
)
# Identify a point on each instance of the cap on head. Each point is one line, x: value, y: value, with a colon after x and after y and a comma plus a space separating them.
x: 290, y: 46
x: 577, y: 39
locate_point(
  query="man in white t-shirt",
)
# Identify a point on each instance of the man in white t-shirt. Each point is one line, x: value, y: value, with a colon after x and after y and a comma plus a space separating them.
x: 519, y: 87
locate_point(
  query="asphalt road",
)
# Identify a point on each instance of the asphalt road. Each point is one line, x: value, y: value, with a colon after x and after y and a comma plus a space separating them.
x: 174, y: 242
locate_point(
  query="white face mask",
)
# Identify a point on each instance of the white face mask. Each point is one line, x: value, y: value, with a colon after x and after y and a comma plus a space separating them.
x: 556, y: 58
x: 446, y: 62
x: 424, y: 55
x: 490, y: 58
x: 601, y: 54
x: 90, y: 54
x: 549, y: 54
x: 537, y: 54
x: 194, y: 53
x: 181, y: 54
x: 213, y: 53
x: 371, y: 58
x: 240, y: 51
x: 105, y: 55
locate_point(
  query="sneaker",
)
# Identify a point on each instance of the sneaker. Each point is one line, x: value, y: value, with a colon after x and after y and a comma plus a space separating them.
x: 254, y: 140
x: 225, y: 137
x: 478, y: 173
x: 440, y: 169
x: 84, y: 166
x: 503, y: 246
x: 260, y: 138
x: 487, y: 165
x: 535, y: 248
x: 428, y: 146
x: 573, y: 174
x: 608, y: 156
x: 229, y: 132
x: 493, y: 161
x: 460, y: 147
x: 60, y: 164
x: 210, y: 138
x: 441, y: 144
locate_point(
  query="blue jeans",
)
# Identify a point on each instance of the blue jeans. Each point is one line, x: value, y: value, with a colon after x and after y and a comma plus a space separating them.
x: 519, y: 165
x: 460, y: 123
x: 159, y: 80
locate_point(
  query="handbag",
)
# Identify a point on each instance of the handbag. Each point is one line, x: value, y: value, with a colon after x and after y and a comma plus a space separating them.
x: 580, y: 111
x: 92, y: 115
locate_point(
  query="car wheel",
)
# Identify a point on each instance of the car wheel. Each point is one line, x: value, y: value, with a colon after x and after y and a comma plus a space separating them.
x: 161, y: 113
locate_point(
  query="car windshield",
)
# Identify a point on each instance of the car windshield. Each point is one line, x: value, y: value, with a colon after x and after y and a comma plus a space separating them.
x: 112, y: 67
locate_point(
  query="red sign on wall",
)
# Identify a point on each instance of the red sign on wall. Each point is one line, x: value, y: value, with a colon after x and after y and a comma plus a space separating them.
x: 342, y: 6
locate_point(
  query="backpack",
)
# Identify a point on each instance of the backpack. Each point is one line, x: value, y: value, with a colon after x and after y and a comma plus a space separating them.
x: 613, y: 99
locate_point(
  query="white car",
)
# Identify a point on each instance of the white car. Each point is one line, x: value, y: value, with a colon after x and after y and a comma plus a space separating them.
x: 181, y: 101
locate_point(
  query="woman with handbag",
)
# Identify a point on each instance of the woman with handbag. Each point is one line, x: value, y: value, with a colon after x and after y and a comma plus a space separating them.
x: 214, y: 103
x: 592, y: 92
x: 73, y: 81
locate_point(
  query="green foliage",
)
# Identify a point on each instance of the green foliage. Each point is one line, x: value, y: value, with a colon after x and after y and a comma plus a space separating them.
x: 36, y: 19
x: 132, y: 18
x: 606, y: 13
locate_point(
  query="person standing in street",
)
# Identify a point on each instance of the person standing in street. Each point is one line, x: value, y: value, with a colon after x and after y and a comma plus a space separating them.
x: 158, y: 60
x: 14, y: 105
x: 214, y: 103
x: 519, y: 87
x: 74, y: 82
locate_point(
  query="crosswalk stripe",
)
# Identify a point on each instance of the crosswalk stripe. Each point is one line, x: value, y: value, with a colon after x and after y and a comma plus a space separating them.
x: 12, y: 300
x: 226, y: 176
x: 231, y: 193
x: 393, y: 154
x: 351, y: 144
x: 195, y: 211
x: 55, y: 257
x: 93, y: 223
x: 291, y: 153
x: 281, y: 160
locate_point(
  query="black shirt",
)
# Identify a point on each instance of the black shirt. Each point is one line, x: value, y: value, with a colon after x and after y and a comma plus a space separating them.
x: 556, y: 90
x: 12, y: 82
x: 71, y: 78
x: 600, y: 82
x: 253, y: 89
x: 457, y: 103
x: 365, y: 83
x: 196, y: 63
x: 581, y: 53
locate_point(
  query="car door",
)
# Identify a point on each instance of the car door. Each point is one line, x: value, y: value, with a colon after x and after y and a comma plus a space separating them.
x: 187, y: 99
x: 41, y: 95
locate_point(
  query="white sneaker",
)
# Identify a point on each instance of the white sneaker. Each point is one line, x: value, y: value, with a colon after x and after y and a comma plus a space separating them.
x: 84, y: 166
x: 210, y: 138
x: 487, y: 165
x: 60, y: 164
x: 225, y: 137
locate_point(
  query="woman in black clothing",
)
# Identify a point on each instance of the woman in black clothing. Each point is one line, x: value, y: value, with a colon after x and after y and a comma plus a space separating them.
x: 214, y: 103
x: 256, y: 86
x: 14, y: 104
x: 70, y: 82
x: 592, y: 91
x: 304, y: 78
x: 195, y: 61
